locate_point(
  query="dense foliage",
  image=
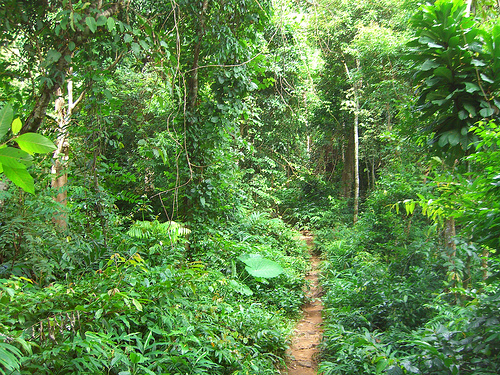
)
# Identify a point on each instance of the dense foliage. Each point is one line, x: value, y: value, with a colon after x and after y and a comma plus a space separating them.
x: 158, y: 158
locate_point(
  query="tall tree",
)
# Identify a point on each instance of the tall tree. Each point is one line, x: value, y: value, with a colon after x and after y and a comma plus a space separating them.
x: 362, y: 80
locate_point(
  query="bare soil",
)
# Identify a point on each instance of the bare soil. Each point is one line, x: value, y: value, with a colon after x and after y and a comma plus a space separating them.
x: 304, y: 350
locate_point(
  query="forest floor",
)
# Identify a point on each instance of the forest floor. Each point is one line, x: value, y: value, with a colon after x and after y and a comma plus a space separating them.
x: 303, y: 353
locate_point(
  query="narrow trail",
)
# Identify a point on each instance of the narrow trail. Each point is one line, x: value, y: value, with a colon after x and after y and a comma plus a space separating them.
x: 304, y: 350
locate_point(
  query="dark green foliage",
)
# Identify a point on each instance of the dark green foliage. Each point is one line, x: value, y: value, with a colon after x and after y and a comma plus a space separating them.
x: 151, y: 320
x: 457, y: 72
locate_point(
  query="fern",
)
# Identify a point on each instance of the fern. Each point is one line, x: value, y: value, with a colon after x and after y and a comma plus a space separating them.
x: 10, y: 358
x: 151, y: 230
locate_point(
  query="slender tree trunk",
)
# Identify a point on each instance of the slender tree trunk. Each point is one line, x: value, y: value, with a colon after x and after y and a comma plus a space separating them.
x: 356, y: 159
x: 61, y: 154
x: 356, y: 86
x: 60, y: 177
x: 193, y: 79
x: 348, y: 170
x: 194, y: 156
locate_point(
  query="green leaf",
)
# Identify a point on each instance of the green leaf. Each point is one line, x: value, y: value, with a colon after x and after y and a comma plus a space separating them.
x: 34, y: 143
x: 381, y: 365
x: 98, y: 314
x: 137, y: 357
x: 444, y: 72
x: 10, y: 357
x: 20, y: 177
x: 486, y: 78
x: 91, y: 23
x: 478, y: 62
x: 453, y: 138
x: 428, y: 65
x: 136, y: 49
x: 101, y: 21
x: 470, y: 108
x: 71, y: 46
x: 127, y: 38
x: 443, y: 140
x: 14, y: 158
x: 137, y: 304
x: 16, y: 126
x: 53, y: 56
x: 111, y: 24
x: 144, y: 45
x: 262, y: 267
x: 462, y: 115
x: 6, y: 116
x: 471, y: 87
x: 486, y: 112
x: 240, y: 288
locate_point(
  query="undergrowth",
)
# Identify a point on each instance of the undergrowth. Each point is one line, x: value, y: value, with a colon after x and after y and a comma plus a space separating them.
x: 159, y: 299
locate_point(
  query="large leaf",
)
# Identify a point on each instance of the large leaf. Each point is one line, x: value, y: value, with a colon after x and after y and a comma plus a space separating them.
x: 14, y: 157
x: 20, y: 177
x: 91, y: 23
x: 261, y: 267
x: 6, y: 116
x: 428, y: 65
x: 34, y: 143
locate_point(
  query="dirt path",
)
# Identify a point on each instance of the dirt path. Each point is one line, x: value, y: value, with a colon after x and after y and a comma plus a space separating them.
x: 307, y: 336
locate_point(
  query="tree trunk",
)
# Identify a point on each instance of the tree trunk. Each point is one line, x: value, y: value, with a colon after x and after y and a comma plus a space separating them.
x: 60, y: 177
x: 356, y: 159
x: 348, y: 170
x: 193, y: 79
x: 356, y: 87
x: 194, y: 155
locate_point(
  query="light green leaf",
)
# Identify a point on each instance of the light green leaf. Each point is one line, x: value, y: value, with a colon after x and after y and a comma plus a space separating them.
x: 486, y: 112
x: 6, y: 116
x: 240, y: 288
x: 137, y: 304
x: 98, y: 314
x: 20, y: 177
x: 101, y: 21
x: 486, y: 78
x: 428, y: 65
x: 471, y: 87
x: 16, y: 126
x: 137, y: 357
x: 262, y: 267
x: 34, y: 143
x: 91, y: 23
x: 14, y: 158
x: 136, y: 49
x: 53, y: 56
x: 10, y: 357
x: 111, y: 24
x: 144, y: 45
x: 127, y: 38
x: 476, y: 62
x: 435, y: 45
